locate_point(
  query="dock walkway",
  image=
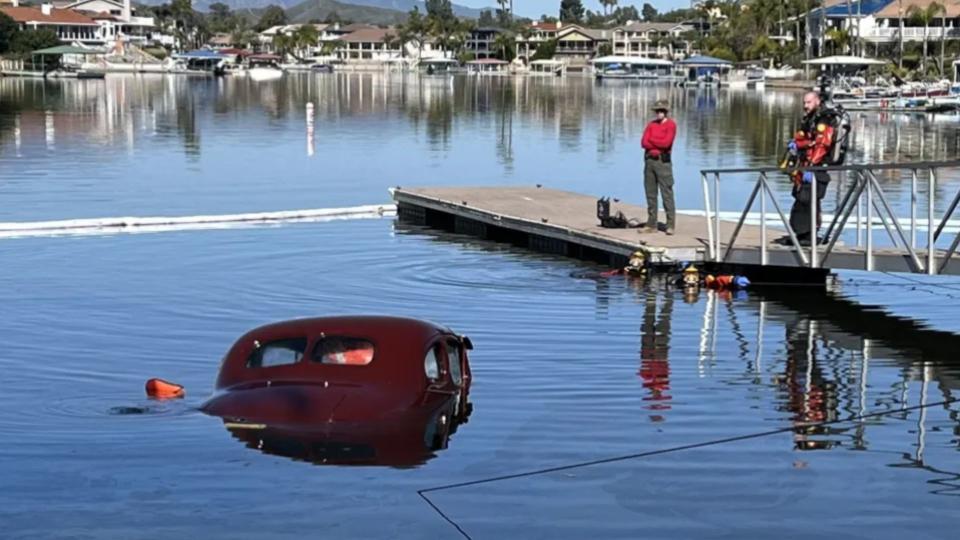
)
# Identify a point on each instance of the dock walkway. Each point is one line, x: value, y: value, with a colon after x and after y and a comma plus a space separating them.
x: 565, y: 223
x: 561, y: 216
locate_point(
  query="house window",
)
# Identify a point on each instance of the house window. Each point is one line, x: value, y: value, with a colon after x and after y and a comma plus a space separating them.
x: 343, y: 350
x: 281, y: 352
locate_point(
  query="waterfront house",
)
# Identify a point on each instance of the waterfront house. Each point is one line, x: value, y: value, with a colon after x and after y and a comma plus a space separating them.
x: 881, y: 22
x: 659, y: 40
x: 481, y: 42
x: 69, y: 25
x: 369, y: 44
x: 328, y: 35
x: 577, y: 45
x: 117, y: 20
x: 536, y: 34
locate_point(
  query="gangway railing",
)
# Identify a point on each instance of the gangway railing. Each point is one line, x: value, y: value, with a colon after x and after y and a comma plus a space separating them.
x: 861, y: 193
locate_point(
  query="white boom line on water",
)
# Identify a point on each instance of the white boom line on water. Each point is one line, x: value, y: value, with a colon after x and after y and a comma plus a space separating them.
x: 117, y: 225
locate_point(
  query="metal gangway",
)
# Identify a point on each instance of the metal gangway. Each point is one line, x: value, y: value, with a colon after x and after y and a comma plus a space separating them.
x: 861, y: 194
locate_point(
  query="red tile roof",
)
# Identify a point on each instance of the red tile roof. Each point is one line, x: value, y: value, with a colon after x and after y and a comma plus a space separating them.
x: 544, y: 26
x: 369, y: 35
x: 56, y: 16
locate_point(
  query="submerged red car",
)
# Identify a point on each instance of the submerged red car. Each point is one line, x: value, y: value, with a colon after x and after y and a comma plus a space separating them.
x: 345, y: 390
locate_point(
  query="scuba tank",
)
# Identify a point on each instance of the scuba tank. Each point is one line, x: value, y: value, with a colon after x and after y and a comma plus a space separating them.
x: 841, y: 130
x: 839, y: 120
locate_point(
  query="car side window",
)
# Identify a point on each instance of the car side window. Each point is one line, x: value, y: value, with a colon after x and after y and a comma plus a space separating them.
x: 431, y: 364
x: 343, y: 350
x: 453, y: 359
x: 280, y: 352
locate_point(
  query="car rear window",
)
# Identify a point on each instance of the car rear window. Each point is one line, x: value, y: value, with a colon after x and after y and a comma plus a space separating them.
x: 343, y: 350
x: 277, y: 353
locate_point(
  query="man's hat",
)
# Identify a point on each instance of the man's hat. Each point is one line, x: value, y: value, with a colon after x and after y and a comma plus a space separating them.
x: 661, y: 105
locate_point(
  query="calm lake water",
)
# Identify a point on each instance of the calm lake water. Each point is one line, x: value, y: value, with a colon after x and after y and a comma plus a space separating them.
x: 725, y: 395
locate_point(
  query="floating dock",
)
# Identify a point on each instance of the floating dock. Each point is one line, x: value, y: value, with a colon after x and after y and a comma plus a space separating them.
x: 555, y: 221
x: 565, y: 223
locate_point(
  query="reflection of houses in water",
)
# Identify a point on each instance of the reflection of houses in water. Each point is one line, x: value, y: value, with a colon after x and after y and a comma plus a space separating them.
x: 723, y: 127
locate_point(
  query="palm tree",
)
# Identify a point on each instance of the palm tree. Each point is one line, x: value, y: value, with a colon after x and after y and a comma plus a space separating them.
x: 900, y: 15
x: 415, y: 30
x: 242, y: 37
x: 283, y: 44
x: 306, y: 37
x: 524, y: 35
x: 850, y: 23
x: 943, y: 37
x: 504, y: 6
x: 504, y: 45
x: 925, y: 16
x: 840, y: 39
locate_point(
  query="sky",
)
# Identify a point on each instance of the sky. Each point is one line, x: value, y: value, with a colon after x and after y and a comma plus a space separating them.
x: 535, y: 8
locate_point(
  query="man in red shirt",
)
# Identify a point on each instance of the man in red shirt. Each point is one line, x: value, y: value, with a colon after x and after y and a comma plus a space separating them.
x: 657, y: 144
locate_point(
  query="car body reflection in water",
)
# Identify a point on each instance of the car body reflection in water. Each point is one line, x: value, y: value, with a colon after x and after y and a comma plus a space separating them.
x: 346, y: 390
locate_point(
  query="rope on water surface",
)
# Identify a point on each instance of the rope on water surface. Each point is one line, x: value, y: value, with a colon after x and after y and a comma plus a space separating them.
x: 602, y: 461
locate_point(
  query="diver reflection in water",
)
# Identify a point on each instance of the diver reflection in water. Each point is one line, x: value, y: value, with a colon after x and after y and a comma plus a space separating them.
x: 809, y: 395
x: 654, y: 351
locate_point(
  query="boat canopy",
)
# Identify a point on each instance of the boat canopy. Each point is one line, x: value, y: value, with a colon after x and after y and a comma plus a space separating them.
x: 68, y: 49
x: 844, y: 61
x: 488, y: 61
x: 635, y: 60
x: 546, y: 62
x: 706, y: 61
x: 199, y: 54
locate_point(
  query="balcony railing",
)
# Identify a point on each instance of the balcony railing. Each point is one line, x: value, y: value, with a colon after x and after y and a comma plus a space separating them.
x: 911, y: 33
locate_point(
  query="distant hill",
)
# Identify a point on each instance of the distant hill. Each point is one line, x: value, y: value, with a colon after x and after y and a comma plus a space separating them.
x: 402, y: 6
x: 406, y: 5
x: 321, y: 9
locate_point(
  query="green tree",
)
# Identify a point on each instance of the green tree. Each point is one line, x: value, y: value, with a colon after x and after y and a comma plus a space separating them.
x: 305, y: 38
x: 504, y: 46
x: 27, y: 41
x: 763, y: 48
x: 284, y: 44
x: 504, y: 14
x: 414, y: 30
x: 624, y: 14
x: 242, y: 37
x: 272, y: 16
x: 486, y: 19
x: 440, y: 9
x: 571, y: 11
x: 330, y: 47
x: 545, y: 50
x: 649, y: 12
x: 8, y: 29
x: 840, y: 40
x: 723, y: 52
x: 924, y: 16
x: 220, y: 18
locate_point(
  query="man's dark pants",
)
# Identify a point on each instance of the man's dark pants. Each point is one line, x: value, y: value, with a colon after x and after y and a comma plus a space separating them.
x: 658, y: 175
x: 800, y: 212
